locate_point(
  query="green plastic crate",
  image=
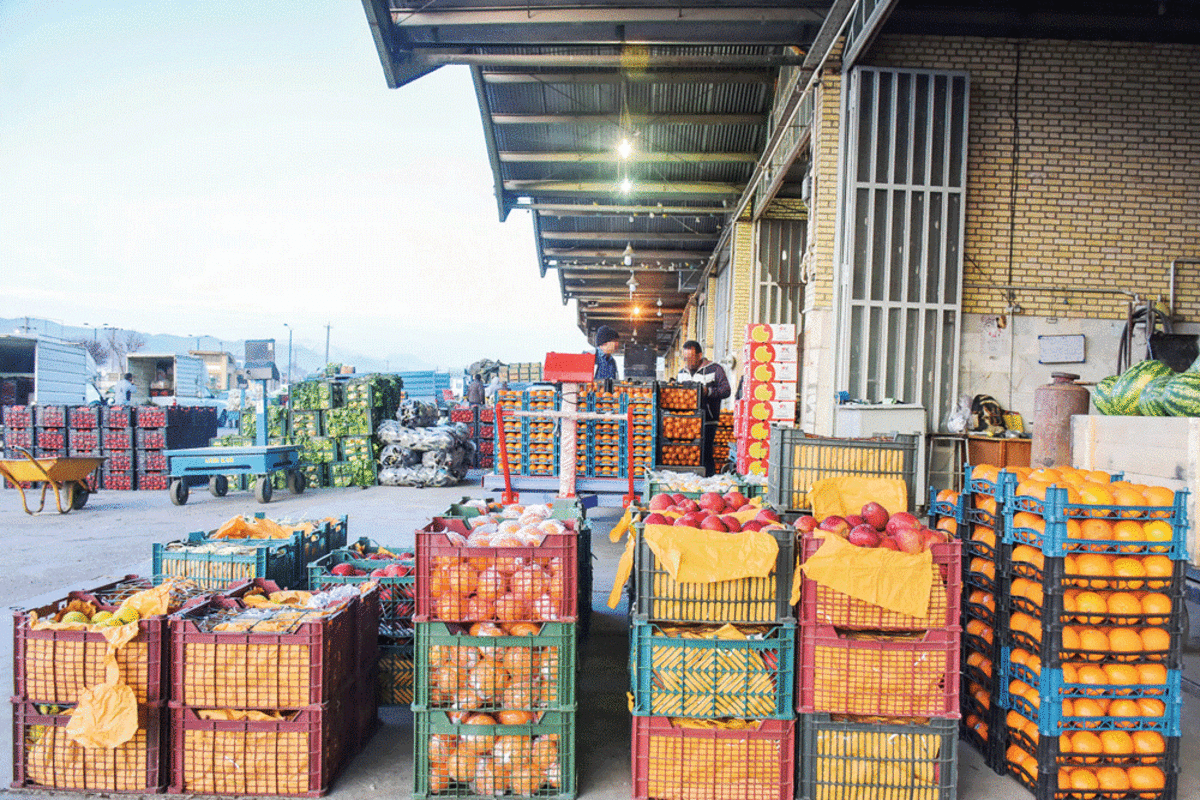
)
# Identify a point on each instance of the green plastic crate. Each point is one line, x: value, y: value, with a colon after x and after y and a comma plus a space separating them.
x: 545, y: 663
x: 308, y: 423
x: 557, y: 782
x: 353, y: 473
x: 274, y: 559
x: 318, y: 450
x: 397, y: 594
x: 396, y: 668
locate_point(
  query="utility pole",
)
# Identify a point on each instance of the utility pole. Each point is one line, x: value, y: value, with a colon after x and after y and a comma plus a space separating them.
x: 327, y: 326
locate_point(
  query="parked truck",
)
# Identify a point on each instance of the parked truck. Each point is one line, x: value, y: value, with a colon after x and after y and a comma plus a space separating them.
x: 42, y: 370
x: 168, y: 378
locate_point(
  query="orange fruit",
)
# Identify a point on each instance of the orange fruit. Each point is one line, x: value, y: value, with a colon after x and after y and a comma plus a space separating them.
x: 1095, y: 494
x: 948, y: 524
x: 986, y: 504
x: 1014, y: 754
x: 1151, y: 674
x: 1155, y: 640
x: 1094, y: 641
x: 1116, y: 743
x: 1034, y: 522
x: 1069, y: 595
x: 1091, y: 528
x: 1124, y: 708
x: 1124, y: 640
x: 1148, y: 743
x: 1092, y: 565
x: 1128, y: 531
x: 1086, y: 707
x: 1151, y: 707
x: 1155, y: 603
x: 1025, y: 554
x: 1158, y: 567
x: 1092, y: 675
x: 1070, y: 638
x: 984, y: 535
x: 1014, y: 720
x: 1112, y: 779
x: 1022, y: 622
x: 1123, y: 604
x: 1090, y: 604
x: 1070, y: 671
x: 985, y: 472
x: 1149, y: 779
x: 1158, y: 531
x: 983, y: 566
x: 1031, y: 487
x: 1121, y: 674
x: 1158, y: 496
x: 1097, y: 476
x: 1127, y: 568
x: 1123, y: 496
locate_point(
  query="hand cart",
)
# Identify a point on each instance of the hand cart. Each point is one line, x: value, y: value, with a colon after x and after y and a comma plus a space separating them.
x: 60, y: 474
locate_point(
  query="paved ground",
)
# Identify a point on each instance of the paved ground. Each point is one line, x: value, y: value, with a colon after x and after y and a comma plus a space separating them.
x: 48, y: 555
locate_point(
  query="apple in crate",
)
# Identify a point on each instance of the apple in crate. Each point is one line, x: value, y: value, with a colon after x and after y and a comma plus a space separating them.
x: 657, y: 519
x: 909, y: 540
x: 902, y: 520
x: 875, y: 515
x: 806, y: 524
x: 731, y: 523
x: 854, y: 520
x: 735, y: 500
x: 661, y: 502
x: 344, y: 570
x: 835, y: 524
x: 863, y: 535
x: 713, y: 523
x: 712, y: 503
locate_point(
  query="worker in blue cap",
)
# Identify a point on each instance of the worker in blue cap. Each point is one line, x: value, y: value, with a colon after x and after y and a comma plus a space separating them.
x: 607, y: 341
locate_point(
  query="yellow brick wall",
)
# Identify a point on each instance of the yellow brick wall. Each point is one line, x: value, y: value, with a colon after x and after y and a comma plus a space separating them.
x: 1108, y: 184
x: 742, y: 264
x: 710, y: 317
x: 823, y: 213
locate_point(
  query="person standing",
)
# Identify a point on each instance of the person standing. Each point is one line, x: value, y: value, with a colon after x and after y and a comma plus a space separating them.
x: 124, y: 390
x: 607, y: 341
x: 476, y: 391
x: 714, y: 387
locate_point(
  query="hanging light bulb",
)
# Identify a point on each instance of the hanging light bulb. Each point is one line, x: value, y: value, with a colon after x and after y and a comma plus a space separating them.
x: 625, y: 148
x: 632, y: 283
x: 626, y: 186
x: 628, y: 254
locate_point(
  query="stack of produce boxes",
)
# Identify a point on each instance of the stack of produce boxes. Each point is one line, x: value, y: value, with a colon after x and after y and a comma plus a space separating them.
x: 723, y: 437
x: 712, y: 665
x: 539, y: 445
x: 512, y: 429
x: 680, y: 425
x: 50, y: 431
x: 59, y: 661
x: 116, y: 441
x: 768, y: 392
x: 878, y: 689
x: 496, y: 650
x: 162, y: 428
x: 480, y: 421
x: 18, y: 430
x: 642, y: 439
x: 84, y: 439
x: 1092, y: 631
x: 607, y: 443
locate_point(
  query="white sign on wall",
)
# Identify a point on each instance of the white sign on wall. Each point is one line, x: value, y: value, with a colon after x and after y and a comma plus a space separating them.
x: 1062, y: 349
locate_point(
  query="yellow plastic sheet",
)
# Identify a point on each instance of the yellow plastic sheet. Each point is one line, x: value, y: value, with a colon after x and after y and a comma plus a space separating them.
x: 242, y: 528
x: 691, y: 555
x: 106, y: 716
x: 899, y: 582
x: 235, y: 714
x: 842, y: 496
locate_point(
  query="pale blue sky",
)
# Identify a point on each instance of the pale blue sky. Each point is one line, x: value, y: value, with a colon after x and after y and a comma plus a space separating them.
x: 223, y: 168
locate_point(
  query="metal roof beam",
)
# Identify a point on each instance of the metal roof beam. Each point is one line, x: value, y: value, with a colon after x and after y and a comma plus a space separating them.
x: 657, y: 76
x: 440, y: 57
x: 666, y: 255
x: 526, y: 15
x: 631, y: 236
x: 603, y: 210
x: 697, y: 189
x: 606, y: 157
x: 628, y: 119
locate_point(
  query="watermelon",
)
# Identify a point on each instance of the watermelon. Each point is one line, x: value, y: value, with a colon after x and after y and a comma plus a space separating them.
x: 1129, y: 385
x: 1181, y: 397
x: 1102, y: 395
x: 1150, y: 401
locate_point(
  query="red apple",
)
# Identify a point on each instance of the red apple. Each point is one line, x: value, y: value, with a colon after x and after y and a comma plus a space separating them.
x: 854, y: 520
x: 909, y: 540
x: 875, y: 515
x: 806, y: 523
x: 767, y: 515
x: 863, y: 535
x: 677, y: 498
x: 379, y: 573
x: 683, y: 522
x: 902, y: 520
x: 735, y: 500
x: 660, y: 502
x: 394, y: 570
x: 752, y: 525
x: 835, y: 524
x: 888, y: 543
x: 713, y: 523
x: 687, y: 505
x: 342, y: 569
x: 731, y: 522
x: 930, y: 538
x: 712, y: 502
x: 657, y: 519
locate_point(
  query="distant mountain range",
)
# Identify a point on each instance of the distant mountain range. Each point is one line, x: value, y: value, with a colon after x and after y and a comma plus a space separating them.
x: 306, y: 359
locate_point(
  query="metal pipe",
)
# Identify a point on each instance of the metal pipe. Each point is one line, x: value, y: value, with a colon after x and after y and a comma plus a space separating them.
x: 1172, y: 278
x: 441, y: 58
x: 1059, y: 290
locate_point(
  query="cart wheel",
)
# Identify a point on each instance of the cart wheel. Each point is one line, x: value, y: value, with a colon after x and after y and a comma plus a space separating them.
x: 296, y: 482
x: 262, y: 488
x: 179, y: 492
x: 79, y: 496
x: 218, y: 485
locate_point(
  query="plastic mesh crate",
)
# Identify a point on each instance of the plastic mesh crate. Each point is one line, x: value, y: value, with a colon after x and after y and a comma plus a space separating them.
x: 756, y: 760
x: 396, y: 672
x: 797, y: 461
x: 822, y: 605
x: 488, y: 673
x: 548, y: 745
x: 914, y: 675
x: 676, y: 676
x: 45, y: 757
x: 1045, y: 785
x: 885, y: 761
x: 304, y: 665
x: 209, y: 565
x: 658, y: 597
x: 297, y: 755
x: 84, y: 417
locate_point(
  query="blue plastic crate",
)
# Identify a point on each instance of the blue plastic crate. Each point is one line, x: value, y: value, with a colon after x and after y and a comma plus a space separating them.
x: 1000, y: 489
x: 1052, y: 688
x: 944, y: 508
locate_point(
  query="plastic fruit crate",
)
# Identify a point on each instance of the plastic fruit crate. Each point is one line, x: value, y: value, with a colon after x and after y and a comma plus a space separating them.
x: 823, y: 605
x: 117, y: 439
x: 118, y: 416
x: 488, y: 673
x: 397, y: 596
x: 200, y: 560
x: 674, y: 676
x: 54, y: 666
x: 448, y: 573
x: 798, y: 460
x: 304, y: 666
x: 915, y: 675
x: 1049, y: 753
x: 18, y: 417
x: 658, y: 597
x: 84, y: 417
x: 550, y: 742
x: 983, y: 729
x: 1045, y: 785
x: 858, y: 759
x: 50, y: 416
x: 44, y: 756
x: 396, y: 668
x: 297, y: 756
x: 754, y: 761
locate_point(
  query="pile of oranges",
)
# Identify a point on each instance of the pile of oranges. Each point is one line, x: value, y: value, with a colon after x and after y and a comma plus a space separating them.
x: 466, y: 676
x: 493, y: 765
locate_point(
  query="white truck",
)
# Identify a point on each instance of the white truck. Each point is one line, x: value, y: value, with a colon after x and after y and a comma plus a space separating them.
x: 43, y: 370
x: 169, y: 378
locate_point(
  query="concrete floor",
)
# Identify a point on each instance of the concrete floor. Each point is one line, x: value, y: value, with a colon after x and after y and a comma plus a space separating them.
x: 48, y: 555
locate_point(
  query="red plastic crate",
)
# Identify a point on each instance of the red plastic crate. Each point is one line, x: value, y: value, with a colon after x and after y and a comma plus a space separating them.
x: 757, y: 763
x: 118, y: 416
x: 437, y: 555
x: 914, y: 675
x: 44, y: 757
x: 119, y: 460
x: 18, y: 417
x: 461, y: 414
x: 153, y: 481
x: 820, y: 605
x: 485, y: 462
x: 364, y: 706
x: 486, y: 447
x: 118, y: 480
x: 83, y: 417
x: 151, y: 417
x: 50, y: 438
x: 309, y: 664
x: 18, y: 437
x: 118, y: 439
x: 54, y: 666
x: 151, y: 438
x: 297, y: 756
x: 84, y: 441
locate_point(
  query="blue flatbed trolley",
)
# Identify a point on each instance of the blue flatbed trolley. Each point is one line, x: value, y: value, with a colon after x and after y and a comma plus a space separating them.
x: 195, y: 466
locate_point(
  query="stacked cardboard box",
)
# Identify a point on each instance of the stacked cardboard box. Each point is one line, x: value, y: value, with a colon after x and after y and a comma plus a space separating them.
x: 770, y: 356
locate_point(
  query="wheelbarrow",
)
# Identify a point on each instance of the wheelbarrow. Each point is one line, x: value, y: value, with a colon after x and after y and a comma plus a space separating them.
x: 64, y: 475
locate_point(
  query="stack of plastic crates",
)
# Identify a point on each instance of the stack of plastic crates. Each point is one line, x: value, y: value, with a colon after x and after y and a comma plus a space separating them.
x: 539, y: 440
x: 712, y: 670
x: 878, y: 690
x: 608, y: 442
x: 723, y: 437
x: 1093, y: 630
x: 494, y: 707
x: 644, y: 434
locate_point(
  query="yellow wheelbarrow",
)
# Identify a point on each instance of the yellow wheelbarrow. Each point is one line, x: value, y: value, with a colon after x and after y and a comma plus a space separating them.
x: 64, y: 475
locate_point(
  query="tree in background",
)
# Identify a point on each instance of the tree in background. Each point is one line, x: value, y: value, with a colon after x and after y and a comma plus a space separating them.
x: 122, y: 343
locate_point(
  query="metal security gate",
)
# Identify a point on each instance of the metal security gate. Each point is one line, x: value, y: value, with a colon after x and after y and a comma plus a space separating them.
x: 903, y: 198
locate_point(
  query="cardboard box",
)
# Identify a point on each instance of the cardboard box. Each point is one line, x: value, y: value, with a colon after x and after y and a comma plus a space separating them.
x: 752, y: 466
x: 779, y: 372
x: 773, y: 410
x: 772, y: 391
x: 767, y: 332
x: 769, y: 352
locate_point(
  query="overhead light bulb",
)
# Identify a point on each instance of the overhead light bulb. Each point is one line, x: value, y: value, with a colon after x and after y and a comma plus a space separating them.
x: 659, y: 304
x: 626, y: 186
x: 632, y: 283
x: 625, y: 148
x: 636, y: 310
x: 628, y: 254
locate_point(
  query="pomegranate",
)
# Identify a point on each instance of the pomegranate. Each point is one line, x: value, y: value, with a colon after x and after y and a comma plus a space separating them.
x: 902, y: 520
x: 875, y: 515
x: 863, y: 535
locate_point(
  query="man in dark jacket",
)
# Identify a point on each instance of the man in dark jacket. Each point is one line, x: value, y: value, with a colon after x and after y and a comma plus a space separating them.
x: 607, y: 342
x: 475, y: 391
x: 714, y: 387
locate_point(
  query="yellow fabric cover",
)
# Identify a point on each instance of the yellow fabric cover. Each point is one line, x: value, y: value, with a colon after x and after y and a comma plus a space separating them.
x: 691, y: 555
x: 899, y: 582
x: 841, y: 496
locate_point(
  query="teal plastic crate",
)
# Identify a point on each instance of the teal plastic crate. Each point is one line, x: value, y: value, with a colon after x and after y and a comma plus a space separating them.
x: 199, y: 559
x: 397, y: 593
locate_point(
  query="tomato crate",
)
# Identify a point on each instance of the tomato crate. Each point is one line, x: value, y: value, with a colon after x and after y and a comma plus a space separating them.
x: 117, y: 416
x: 733, y: 760
x: 50, y: 438
x: 892, y: 760
x: 1050, y: 688
x: 1054, y: 526
x: 675, y: 674
x: 45, y: 757
x: 117, y: 439
x: 304, y: 665
x: 530, y: 584
x: 18, y: 416
x: 464, y: 414
x: 50, y: 416
x: 396, y: 669
x: 215, y: 564
x: 54, y: 666
x: 896, y: 675
x: 154, y: 481
x: 151, y: 461
x: 495, y: 670
x: 228, y: 753
x: 118, y: 479
x: 83, y: 417
x: 825, y: 606
x: 550, y: 740
x: 18, y: 437
x: 659, y: 597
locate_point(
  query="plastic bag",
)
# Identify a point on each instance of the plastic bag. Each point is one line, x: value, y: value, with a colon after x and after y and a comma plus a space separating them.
x: 957, y: 421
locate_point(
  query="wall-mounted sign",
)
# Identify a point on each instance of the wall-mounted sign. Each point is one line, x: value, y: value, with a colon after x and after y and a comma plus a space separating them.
x: 1066, y: 348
